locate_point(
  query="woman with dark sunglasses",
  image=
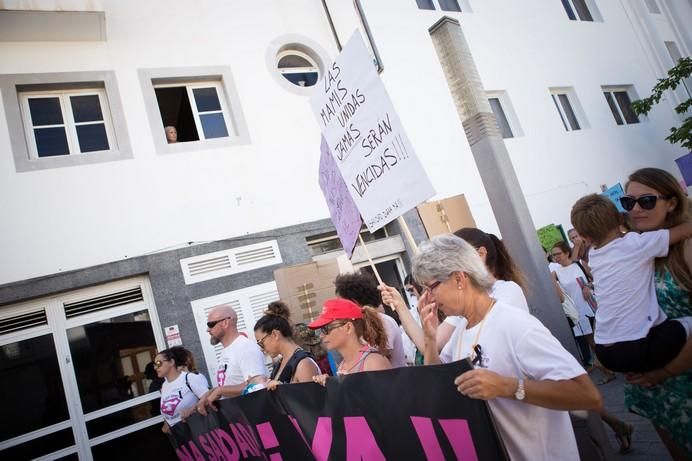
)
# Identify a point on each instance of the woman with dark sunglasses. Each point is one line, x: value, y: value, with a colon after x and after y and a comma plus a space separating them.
x: 274, y: 335
x: 356, y: 333
x: 663, y: 395
x: 181, y: 389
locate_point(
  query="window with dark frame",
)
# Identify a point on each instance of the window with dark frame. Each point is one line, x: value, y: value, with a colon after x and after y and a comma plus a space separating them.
x: 620, y: 106
x: 577, y: 9
x: 444, y: 5
x: 564, y: 108
x: 501, y: 118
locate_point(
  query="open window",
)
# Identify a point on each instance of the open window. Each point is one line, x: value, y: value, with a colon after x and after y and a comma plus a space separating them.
x: 197, y: 111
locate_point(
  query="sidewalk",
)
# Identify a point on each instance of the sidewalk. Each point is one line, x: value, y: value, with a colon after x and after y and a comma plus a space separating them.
x: 646, y: 445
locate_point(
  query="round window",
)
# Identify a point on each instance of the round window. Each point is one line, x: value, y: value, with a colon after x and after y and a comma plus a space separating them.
x: 298, y: 68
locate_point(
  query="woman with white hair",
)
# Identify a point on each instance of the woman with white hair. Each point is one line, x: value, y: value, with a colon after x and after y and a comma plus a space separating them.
x: 527, y: 377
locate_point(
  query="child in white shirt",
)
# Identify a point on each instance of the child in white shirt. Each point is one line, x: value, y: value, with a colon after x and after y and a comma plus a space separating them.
x: 632, y: 332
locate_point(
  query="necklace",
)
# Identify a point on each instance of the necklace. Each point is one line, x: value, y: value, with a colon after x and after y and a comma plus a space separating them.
x: 457, y: 355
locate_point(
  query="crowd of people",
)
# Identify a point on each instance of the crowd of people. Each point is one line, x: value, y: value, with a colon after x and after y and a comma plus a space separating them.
x: 625, y: 287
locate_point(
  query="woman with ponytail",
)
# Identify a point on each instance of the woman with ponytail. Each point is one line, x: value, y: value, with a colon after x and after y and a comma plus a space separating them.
x: 356, y: 333
x: 508, y: 282
x: 274, y: 335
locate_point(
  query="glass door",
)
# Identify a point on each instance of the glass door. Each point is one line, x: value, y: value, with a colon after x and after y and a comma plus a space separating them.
x: 78, y: 383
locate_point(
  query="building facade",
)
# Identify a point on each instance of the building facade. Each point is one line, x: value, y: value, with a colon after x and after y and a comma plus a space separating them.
x: 112, y: 234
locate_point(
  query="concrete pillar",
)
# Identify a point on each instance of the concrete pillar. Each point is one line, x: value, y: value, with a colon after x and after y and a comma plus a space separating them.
x: 500, y: 180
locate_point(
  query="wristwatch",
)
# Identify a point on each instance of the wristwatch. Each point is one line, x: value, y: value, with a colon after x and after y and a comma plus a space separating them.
x: 519, y: 394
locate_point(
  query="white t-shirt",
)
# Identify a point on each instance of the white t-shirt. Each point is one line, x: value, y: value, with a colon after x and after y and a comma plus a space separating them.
x: 177, y: 396
x: 242, y: 359
x: 516, y: 344
x: 502, y: 290
x: 623, y: 272
x: 394, y: 342
x: 567, y: 277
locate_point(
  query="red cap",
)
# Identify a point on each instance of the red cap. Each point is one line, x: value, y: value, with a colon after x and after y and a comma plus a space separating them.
x: 337, y: 309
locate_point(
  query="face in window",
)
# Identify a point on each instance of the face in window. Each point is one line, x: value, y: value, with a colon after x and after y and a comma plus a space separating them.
x: 171, y: 134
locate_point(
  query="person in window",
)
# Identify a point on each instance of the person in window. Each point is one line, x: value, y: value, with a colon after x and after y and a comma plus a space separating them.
x: 181, y: 389
x: 356, y: 333
x: 171, y: 134
x: 529, y: 380
x: 274, y: 336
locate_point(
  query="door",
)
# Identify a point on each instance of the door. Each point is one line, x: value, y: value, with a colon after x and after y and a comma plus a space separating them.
x: 79, y: 387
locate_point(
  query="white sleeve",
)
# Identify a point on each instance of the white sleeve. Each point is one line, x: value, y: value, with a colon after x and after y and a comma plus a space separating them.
x: 452, y: 320
x: 252, y: 362
x: 541, y: 356
x: 198, y: 384
x: 654, y: 244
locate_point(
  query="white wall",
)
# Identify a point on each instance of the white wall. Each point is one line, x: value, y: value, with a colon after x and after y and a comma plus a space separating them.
x: 68, y: 218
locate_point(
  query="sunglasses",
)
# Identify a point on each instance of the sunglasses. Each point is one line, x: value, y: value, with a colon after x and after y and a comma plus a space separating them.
x: 213, y: 323
x: 646, y: 202
x: 159, y: 363
x: 325, y: 330
x: 260, y: 343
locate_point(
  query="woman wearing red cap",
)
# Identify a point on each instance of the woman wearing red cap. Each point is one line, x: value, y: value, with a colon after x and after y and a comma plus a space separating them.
x: 356, y: 333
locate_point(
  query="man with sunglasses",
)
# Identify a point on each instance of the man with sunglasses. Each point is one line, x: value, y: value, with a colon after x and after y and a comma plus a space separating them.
x: 632, y: 332
x: 241, y: 360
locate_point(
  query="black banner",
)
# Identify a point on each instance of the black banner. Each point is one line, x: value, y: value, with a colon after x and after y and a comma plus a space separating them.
x: 404, y: 413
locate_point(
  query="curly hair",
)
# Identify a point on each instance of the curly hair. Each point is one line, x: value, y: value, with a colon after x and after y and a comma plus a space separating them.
x: 359, y: 287
x: 276, y: 317
x: 371, y: 329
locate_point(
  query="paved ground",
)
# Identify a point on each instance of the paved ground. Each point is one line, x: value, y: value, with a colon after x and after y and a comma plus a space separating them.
x: 646, y: 445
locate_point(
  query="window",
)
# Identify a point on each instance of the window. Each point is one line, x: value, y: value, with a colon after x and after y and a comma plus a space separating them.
x: 578, y: 9
x: 298, y: 68
x: 328, y: 242
x: 563, y: 100
x: 444, y: 5
x: 501, y: 118
x: 64, y: 119
x: 620, y: 105
x: 652, y: 5
x: 199, y: 102
x: 195, y: 110
x: 66, y: 122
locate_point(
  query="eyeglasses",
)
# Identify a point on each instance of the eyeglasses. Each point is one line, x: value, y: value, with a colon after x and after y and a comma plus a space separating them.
x: 328, y: 328
x: 556, y: 254
x: 159, y: 363
x: 260, y: 343
x: 213, y: 323
x: 646, y: 202
x: 432, y: 286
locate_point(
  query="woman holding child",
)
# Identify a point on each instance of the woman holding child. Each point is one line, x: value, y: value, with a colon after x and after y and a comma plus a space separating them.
x: 663, y: 395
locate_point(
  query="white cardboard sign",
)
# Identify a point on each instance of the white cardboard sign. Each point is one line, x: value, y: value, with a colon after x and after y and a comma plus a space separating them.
x: 366, y: 138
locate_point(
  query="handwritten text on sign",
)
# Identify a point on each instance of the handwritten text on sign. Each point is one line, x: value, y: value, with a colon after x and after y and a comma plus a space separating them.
x: 365, y: 135
x: 343, y: 211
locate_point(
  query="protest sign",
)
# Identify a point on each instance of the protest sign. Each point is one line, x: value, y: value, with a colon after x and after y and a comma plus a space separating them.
x: 369, y: 416
x: 614, y: 193
x: 685, y: 166
x: 343, y: 211
x: 551, y: 234
x: 446, y: 216
x: 365, y: 136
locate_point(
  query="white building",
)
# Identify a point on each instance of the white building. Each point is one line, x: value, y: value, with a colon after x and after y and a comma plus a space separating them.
x: 108, y: 228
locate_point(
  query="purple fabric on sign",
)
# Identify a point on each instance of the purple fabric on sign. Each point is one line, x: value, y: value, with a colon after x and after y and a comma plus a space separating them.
x: 342, y: 209
x: 685, y: 166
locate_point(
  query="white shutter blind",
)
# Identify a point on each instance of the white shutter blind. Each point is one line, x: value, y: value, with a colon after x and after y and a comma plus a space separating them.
x: 248, y: 303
